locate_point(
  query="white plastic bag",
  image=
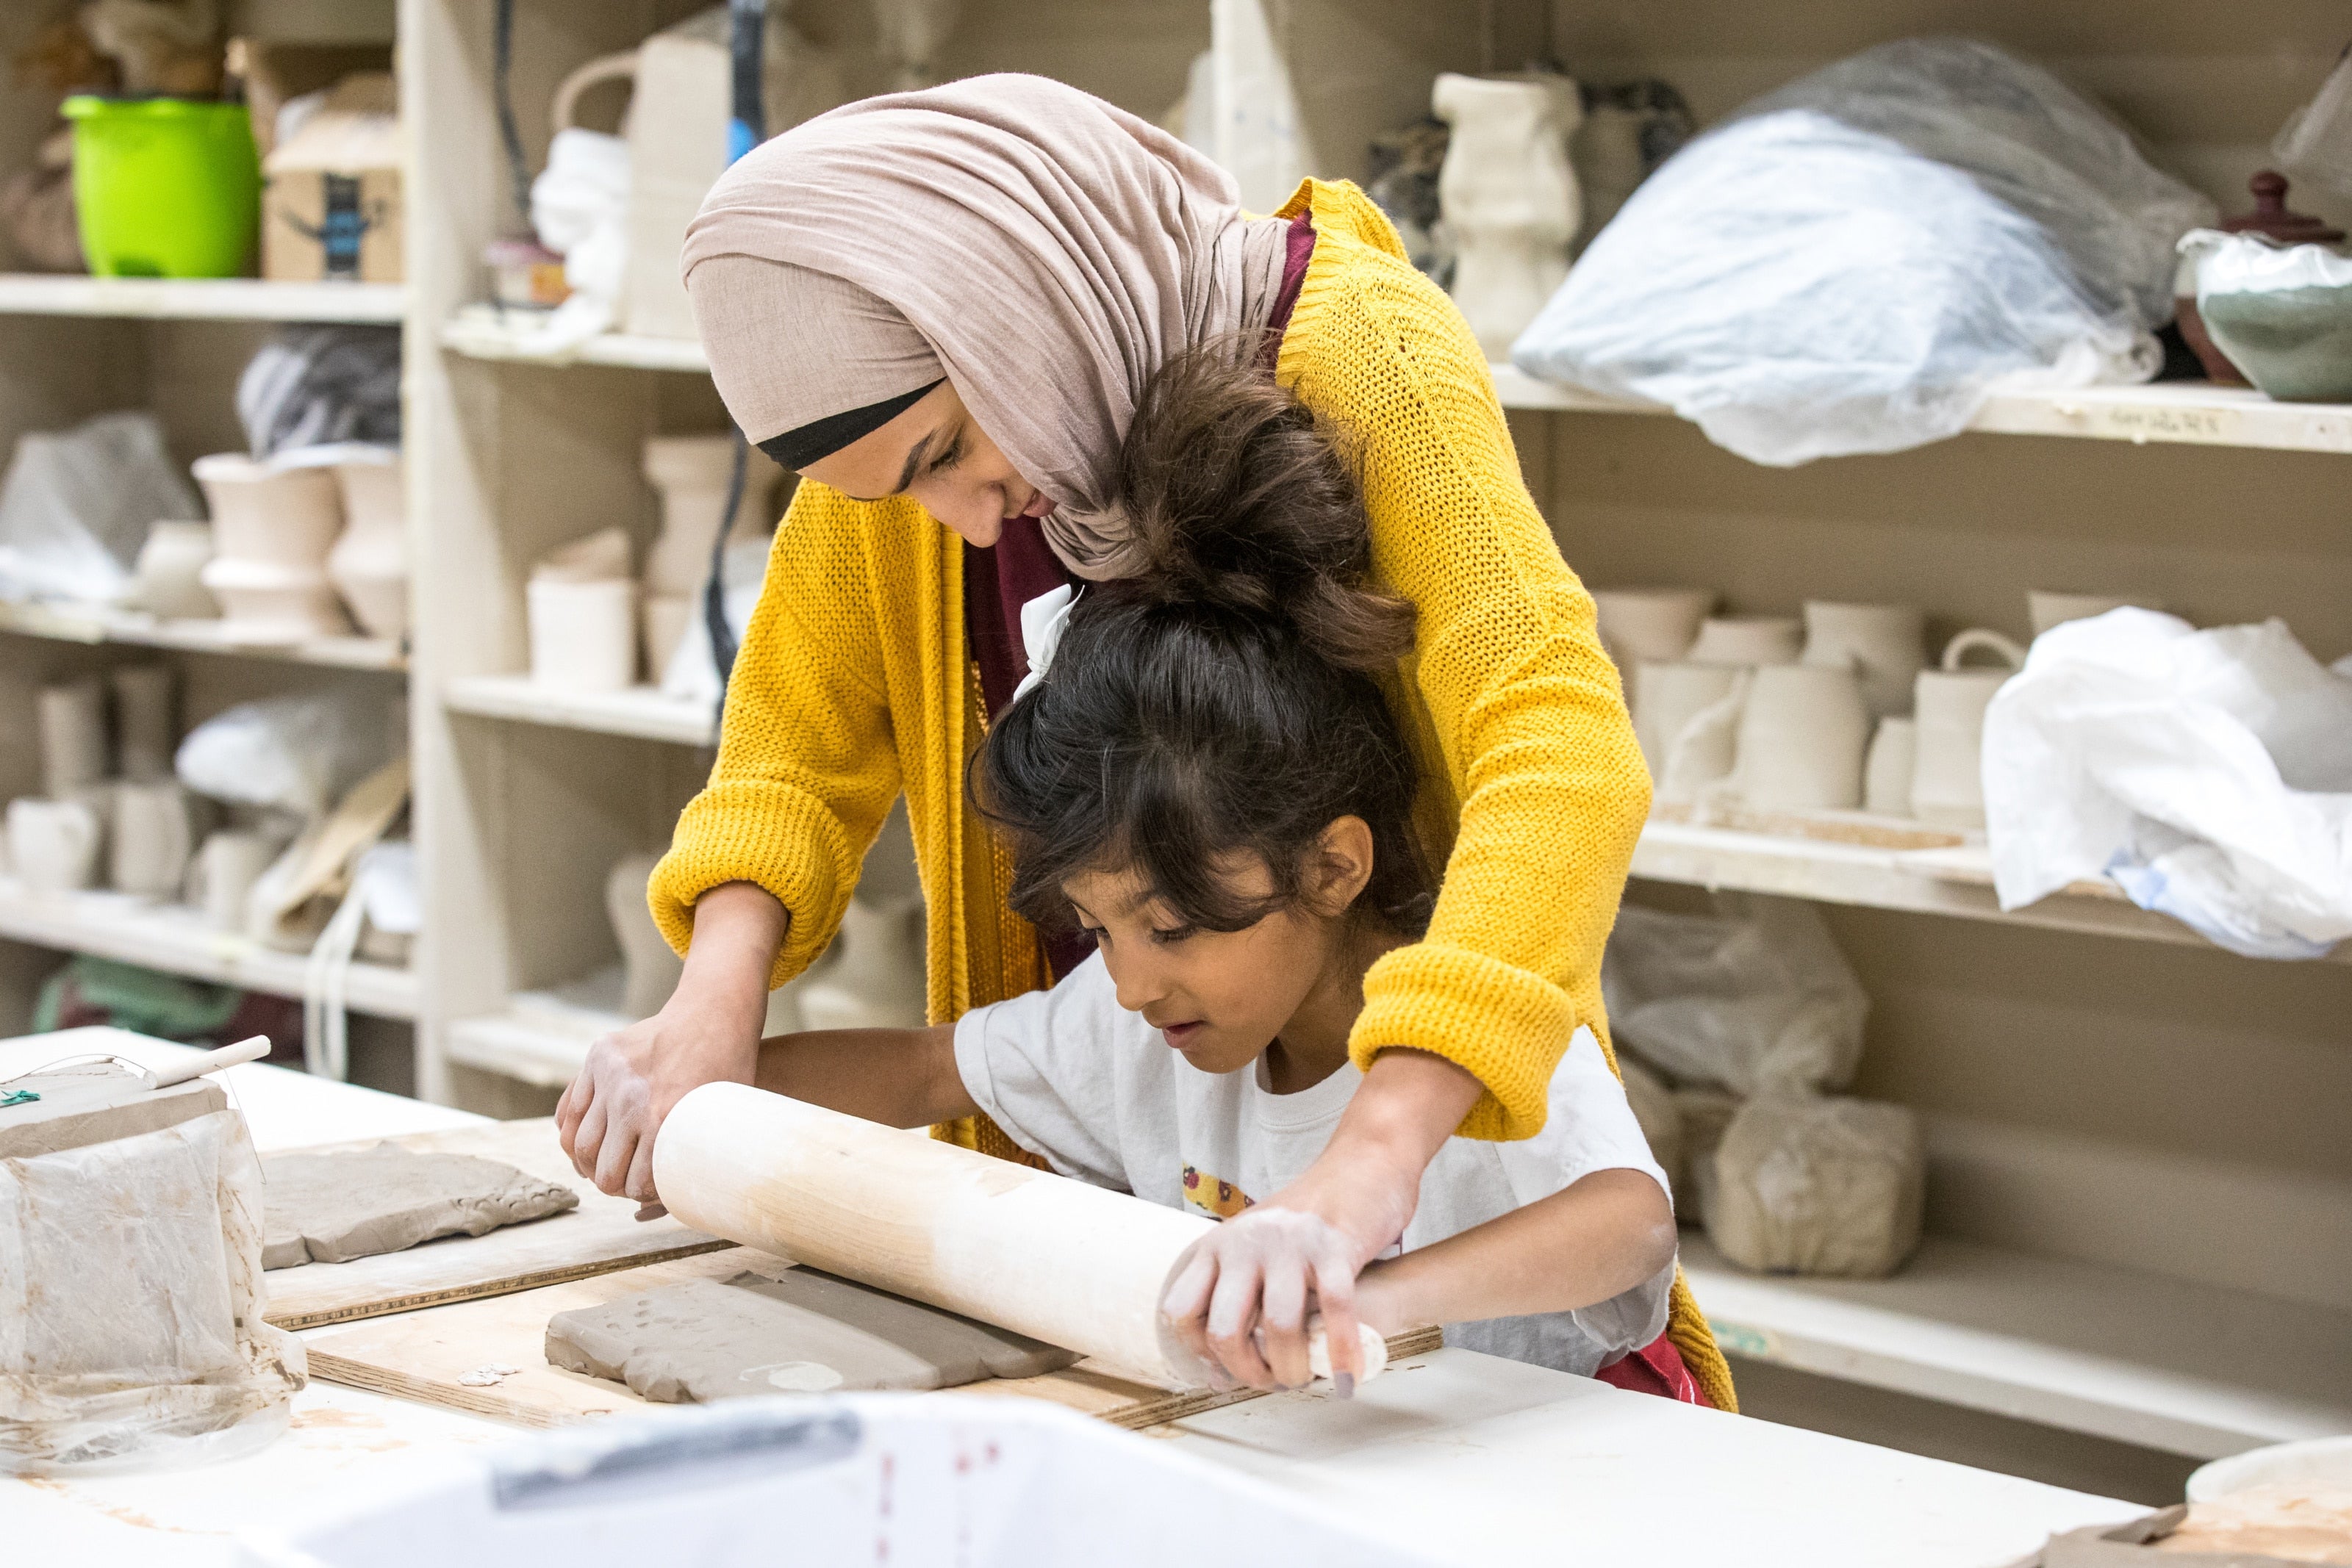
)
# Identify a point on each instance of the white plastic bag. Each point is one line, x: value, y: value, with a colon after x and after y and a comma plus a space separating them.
x: 130, y: 1300
x: 1829, y: 1186
x: 297, y: 754
x: 2316, y: 140
x: 1755, y: 997
x: 77, y: 505
x: 1851, y: 263
x: 2208, y: 773
x: 580, y: 210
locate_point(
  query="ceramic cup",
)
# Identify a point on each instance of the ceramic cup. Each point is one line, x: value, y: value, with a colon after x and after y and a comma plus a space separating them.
x: 223, y: 870
x: 1947, y: 778
x: 1650, y: 626
x: 1686, y: 718
x: 282, y: 518
x: 265, y: 602
x: 584, y: 635
x: 1801, y: 737
x: 667, y: 617
x: 154, y: 834
x: 1885, y: 644
x: 1747, y: 640
x: 53, y: 844
x: 72, y: 722
x: 2047, y: 607
x: 165, y: 582
x: 369, y: 563
x: 143, y: 729
x: 1887, y: 771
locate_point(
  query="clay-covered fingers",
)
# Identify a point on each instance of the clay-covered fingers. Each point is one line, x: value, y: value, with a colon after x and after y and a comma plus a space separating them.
x: 587, y: 1134
x: 1184, y: 1306
x: 1282, y: 1323
x: 1234, y: 1317
x: 1335, y: 1298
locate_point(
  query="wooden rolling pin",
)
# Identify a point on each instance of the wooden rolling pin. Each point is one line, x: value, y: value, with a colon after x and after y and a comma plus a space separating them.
x: 1077, y: 1266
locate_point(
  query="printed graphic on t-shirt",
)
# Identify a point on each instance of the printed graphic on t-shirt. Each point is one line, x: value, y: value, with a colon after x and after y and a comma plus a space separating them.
x: 1217, y: 1199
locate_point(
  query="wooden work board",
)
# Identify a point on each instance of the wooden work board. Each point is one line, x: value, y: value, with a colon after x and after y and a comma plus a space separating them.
x: 455, y: 1355
x: 601, y: 1235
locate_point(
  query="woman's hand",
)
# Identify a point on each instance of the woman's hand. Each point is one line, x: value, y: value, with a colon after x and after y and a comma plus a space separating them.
x: 1241, y: 1296
x: 708, y: 1033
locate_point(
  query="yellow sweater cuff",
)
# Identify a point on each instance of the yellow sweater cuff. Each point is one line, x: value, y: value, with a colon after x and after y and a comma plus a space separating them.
x: 1504, y: 1025
x: 753, y: 831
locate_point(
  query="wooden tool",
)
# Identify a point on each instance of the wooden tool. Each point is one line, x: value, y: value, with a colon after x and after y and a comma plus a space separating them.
x: 1074, y: 1265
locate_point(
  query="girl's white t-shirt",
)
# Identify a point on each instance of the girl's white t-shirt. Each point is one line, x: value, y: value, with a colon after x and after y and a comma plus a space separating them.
x: 1074, y: 1078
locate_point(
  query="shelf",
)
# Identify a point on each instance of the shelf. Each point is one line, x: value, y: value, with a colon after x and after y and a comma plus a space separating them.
x: 1953, y: 880
x: 199, y: 299
x: 178, y: 941
x: 95, y: 624
x: 2196, y: 413
x: 484, y: 332
x: 2140, y: 1358
x: 641, y: 711
x: 543, y: 1037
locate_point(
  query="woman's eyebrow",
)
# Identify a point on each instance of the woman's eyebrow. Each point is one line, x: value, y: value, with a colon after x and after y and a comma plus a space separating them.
x: 906, y: 475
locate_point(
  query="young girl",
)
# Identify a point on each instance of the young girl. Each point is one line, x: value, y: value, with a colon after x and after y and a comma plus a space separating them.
x: 1207, y: 784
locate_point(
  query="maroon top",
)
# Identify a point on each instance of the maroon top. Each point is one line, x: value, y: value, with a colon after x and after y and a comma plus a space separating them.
x: 1002, y: 577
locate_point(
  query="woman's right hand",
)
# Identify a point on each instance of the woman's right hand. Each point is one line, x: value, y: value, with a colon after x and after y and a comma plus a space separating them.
x: 708, y: 1032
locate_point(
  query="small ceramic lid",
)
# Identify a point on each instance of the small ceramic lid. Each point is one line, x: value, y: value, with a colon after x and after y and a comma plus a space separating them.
x: 2272, y: 218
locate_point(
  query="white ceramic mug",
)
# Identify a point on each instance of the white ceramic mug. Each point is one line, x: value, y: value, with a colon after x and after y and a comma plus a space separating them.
x: 223, y: 872
x: 2048, y: 607
x: 166, y: 582
x: 53, y: 844
x: 1801, y: 737
x: 154, y: 834
x: 143, y: 729
x: 1747, y: 640
x: 1687, y: 730
x: 1649, y: 625
x: 1886, y: 772
x: 1947, y: 776
x: 1885, y: 644
x: 71, y: 721
x: 584, y: 635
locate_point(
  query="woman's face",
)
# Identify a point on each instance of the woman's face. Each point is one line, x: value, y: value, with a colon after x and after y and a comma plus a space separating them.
x: 935, y: 453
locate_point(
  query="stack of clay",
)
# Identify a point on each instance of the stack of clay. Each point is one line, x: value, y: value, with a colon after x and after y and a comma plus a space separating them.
x: 293, y: 545
x: 109, y: 812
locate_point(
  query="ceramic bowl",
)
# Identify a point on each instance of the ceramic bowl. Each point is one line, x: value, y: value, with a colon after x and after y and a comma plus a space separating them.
x: 2294, y: 344
x: 261, y: 603
x: 261, y: 513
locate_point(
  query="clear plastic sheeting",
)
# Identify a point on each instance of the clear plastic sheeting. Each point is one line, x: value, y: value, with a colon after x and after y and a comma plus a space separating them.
x: 2208, y: 773
x: 321, y: 386
x: 130, y: 1300
x: 1854, y: 262
x: 77, y: 505
x: 295, y: 754
x: 1755, y: 997
x: 1826, y: 1186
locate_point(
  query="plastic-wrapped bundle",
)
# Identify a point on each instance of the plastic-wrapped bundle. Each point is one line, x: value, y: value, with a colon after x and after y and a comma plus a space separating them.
x: 1806, y: 1186
x: 321, y: 386
x: 1851, y: 262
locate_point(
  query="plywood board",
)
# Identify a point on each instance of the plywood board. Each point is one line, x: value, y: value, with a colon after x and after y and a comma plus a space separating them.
x: 424, y: 1355
x: 601, y: 1235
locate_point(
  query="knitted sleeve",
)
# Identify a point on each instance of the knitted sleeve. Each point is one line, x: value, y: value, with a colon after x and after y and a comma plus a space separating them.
x: 1513, y: 690
x: 806, y: 769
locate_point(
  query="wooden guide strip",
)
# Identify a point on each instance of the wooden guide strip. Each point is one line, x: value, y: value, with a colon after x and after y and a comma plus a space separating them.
x: 1193, y: 1402
x: 477, y: 1290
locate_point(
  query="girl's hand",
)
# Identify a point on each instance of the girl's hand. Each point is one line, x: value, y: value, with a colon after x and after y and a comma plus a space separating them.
x: 1240, y: 1297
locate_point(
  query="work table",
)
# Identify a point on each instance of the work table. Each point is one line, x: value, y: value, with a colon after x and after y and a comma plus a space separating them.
x: 1462, y: 1457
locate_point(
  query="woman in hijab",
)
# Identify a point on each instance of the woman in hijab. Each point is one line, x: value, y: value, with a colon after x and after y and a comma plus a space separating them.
x: 939, y: 308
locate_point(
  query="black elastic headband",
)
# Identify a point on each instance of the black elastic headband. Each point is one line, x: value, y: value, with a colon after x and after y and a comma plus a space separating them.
x: 821, y: 438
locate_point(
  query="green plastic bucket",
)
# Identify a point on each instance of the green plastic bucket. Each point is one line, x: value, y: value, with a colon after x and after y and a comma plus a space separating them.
x: 165, y: 187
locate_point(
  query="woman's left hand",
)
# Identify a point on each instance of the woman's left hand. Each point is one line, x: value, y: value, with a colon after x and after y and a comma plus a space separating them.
x: 1240, y: 1297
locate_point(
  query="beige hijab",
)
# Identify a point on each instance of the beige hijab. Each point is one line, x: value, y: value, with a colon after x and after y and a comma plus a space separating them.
x: 1042, y: 250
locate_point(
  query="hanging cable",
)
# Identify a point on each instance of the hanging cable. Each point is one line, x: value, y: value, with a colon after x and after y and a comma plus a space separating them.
x: 502, y: 87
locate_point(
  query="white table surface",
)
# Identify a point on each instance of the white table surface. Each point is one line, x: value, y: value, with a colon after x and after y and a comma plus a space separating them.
x: 1467, y: 1458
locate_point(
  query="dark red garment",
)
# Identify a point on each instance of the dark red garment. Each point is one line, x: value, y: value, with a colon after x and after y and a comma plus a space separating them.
x: 1655, y: 1368
x: 1002, y: 577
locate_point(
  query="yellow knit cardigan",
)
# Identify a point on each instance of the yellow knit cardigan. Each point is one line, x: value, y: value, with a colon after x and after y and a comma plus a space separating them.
x: 854, y: 685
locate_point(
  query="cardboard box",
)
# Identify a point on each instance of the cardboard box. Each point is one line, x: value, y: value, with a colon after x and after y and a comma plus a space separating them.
x: 331, y: 207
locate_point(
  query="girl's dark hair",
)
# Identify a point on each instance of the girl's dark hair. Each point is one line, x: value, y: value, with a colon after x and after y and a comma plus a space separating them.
x: 1219, y: 704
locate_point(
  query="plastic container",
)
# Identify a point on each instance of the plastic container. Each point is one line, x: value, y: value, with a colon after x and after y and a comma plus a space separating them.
x: 165, y: 187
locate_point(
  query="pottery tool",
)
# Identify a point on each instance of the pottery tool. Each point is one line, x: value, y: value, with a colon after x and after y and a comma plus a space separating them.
x: 91, y: 1099
x: 1077, y: 1266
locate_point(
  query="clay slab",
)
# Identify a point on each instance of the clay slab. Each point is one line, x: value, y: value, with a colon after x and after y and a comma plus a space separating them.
x: 805, y: 1333
x: 330, y: 1208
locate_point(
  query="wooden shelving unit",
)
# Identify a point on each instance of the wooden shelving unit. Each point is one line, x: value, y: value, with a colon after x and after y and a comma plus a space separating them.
x: 201, y: 300
x: 92, y: 625
x: 641, y: 712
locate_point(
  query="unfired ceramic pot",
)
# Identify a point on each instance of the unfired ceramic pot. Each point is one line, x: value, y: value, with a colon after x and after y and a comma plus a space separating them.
x: 72, y: 720
x: 369, y: 563
x: 282, y: 517
x: 223, y: 870
x: 691, y: 473
x: 167, y: 582
x: 584, y: 635
x: 2048, y: 607
x: 652, y: 969
x: 1885, y: 644
x: 1801, y: 738
x: 1509, y: 196
x: 1947, y: 774
x: 1747, y: 640
x: 268, y: 602
x: 1887, y: 772
x: 53, y: 846
x: 876, y: 979
x: 1650, y: 626
x: 667, y: 618
x: 154, y: 835
x: 144, y: 731
x: 1686, y: 718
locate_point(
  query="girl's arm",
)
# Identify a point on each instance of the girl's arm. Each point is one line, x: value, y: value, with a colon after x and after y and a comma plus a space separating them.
x: 899, y: 1077
x: 1606, y: 1234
